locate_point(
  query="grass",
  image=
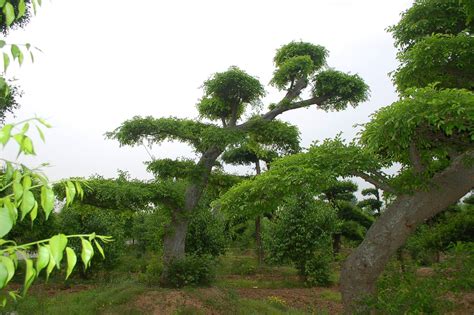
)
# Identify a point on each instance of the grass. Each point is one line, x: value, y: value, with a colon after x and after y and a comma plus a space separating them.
x: 111, y: 297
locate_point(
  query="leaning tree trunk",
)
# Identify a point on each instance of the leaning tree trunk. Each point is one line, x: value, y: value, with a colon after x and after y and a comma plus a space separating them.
x: 392, y: 228
x: 258, y: 226
x: 175, y: 236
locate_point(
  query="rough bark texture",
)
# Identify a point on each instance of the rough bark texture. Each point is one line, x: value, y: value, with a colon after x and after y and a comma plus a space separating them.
x: 175, y: 238
x: 258, y: 226
x: 392, y: 228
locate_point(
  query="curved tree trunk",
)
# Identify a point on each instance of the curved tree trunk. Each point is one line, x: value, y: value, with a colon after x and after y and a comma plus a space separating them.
x: 175, y: 237
x: 392, y: 228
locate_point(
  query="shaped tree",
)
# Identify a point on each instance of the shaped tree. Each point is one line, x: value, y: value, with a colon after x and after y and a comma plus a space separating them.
x: 429, y: 132
x: 280, y: 140
x: 300, y: 67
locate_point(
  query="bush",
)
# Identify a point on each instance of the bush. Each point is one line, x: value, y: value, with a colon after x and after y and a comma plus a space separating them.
x: 191, y: 270
x: 152, y: 274
x: 206, y: 234
x: 301, y: 234
x: 318, y: 269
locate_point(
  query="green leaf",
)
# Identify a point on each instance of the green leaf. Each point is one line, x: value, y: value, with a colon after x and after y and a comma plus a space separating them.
x: 51, y: 263
x: 87, y: 252
x: 57, y: 244
x: 43, y: 259
x: 47, y: 200
x: 2, y: 42
x: 21, y: 9
x: 9, y: 12
x: 29, y: 276
x: 101, y: 251
x: 6, y: 221
x: 5, y: 134
x: 71, y: 260
x: 70, y: 192
x: 44, y: 123
x: 34, y: 212
x: 27, y: 203
x: 21, y: 57
x: 15, y: 51
x: 27, y: 146
x: 9, y: 265
x: 3, y: 276
x: 17, y: 190
x: 40, y: 132
x: 26, y: 182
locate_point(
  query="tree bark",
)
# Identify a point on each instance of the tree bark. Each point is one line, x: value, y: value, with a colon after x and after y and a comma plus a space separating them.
x: 258, y: 225
x: 175, y: 237
x: 392, y: 228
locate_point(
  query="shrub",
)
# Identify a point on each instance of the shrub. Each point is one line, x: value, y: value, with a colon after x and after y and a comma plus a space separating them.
x: 318, y: 269
x: 191, y: 270
x: 206, y: 234
x: 152, y: 274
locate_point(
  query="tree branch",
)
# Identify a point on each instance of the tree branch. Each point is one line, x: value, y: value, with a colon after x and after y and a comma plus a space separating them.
x: 378, y: 181
x: 415, y: 158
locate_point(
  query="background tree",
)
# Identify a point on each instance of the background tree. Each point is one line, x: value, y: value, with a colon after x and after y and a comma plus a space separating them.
x: 372, y: 205
x: 428, y: 131
x: 227, y: 95
x: 258, y: 146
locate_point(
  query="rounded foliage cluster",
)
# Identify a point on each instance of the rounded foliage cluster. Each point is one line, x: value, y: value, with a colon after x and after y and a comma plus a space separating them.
x: 191, y: 270
x: 338, y: 89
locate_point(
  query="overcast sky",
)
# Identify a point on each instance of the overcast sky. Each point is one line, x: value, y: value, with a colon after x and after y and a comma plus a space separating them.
x: 106, y: 61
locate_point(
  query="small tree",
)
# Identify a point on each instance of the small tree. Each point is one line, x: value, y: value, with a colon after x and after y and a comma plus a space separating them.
x: 282, y: 139
x: 372, y: 205
x: 227, y: 95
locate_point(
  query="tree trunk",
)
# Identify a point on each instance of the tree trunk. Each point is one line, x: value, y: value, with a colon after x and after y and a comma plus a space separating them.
x: 175, y: 236
x: 392, y: 228
x: 258, y: 225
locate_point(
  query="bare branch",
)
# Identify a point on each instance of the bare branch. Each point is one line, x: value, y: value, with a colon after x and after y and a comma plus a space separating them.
x: 377, y: 181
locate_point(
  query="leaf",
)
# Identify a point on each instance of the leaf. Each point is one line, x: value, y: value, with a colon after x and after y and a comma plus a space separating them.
x: 26, y: 182
x: 29, y: 276
x: 70, y: 192
x: 21, y: 57
x: 57, y: 244
x: 9, y: 12
x: 44, y: 123
x: 27, y: 203
x: 6, y: 221
x: 21, y: 9
x: 34, y: 212
x: 5, y: 134
x: 17, y: 190
x: 51, y: 263
x: 71, y: 260
x: 9, y: 265
x: 47, y: 200
x: 41, y: 134
x: 43, y: 259
x: 15, y: 51
x: 2, y: 42
x: 3, y: 275
x: 101, y: 251
x: 27, y: 146
x: 87, y: 252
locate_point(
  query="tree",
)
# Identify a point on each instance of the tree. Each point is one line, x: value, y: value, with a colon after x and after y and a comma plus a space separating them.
x: 429, y: 132
x: 267, y: 146
x: 27, y: 191
x: 373, y: 205
x: 227, y: 95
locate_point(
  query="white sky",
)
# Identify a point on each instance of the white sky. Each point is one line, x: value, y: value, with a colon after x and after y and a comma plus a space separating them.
x: 105, y: 61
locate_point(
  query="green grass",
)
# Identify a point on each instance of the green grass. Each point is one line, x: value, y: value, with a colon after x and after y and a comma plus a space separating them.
x: 112, y: 297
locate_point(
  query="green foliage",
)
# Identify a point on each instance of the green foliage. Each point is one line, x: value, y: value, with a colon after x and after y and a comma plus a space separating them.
x: 227, y: 93
x: 16, y: 13
x: 152, y: 275
x: 191, y: 270
x: 8, y: 98
x: 428, y: 17
x: 402, y: 293
x: 168, y: 168
x: 446, y: 60
x: 301, y: 234
x: 297, y: 60
x: 206, y: 234
x: 80, y: 218
x: 338, y: 89
x: 435, y: 121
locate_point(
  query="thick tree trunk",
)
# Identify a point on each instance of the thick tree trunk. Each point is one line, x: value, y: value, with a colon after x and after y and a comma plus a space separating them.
x: 175, y: 236
x: 392, y: 228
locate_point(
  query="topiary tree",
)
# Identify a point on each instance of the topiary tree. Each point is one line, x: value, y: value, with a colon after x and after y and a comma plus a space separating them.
x: 227, y: 95
x: 429, y: 132
x: 259, y: 146
x: 372, y: 205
